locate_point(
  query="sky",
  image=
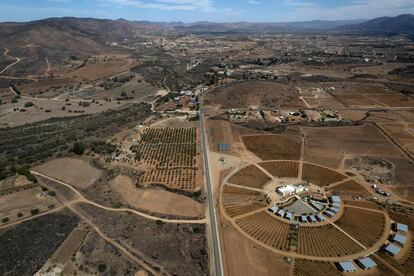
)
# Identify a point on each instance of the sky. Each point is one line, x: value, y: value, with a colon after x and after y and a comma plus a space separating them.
x: 205, y: 10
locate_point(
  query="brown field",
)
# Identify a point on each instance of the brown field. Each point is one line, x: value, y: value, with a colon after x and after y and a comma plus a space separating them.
x: 326, y: 146
x: 230, y: 190
x: 76, y: 172
x: 394, y: 100
x: 220, y: 132
x: 365, y: 226
x: 272, y: 147
x: 250, y: 176
x: 23, y: 202
x: 325, y: 241
x: 359, y: 88
x: 267, y: 229
x: 403, y: 133
x: 359, y: 101
x: 319, y: 175
x: 281, y: 168
x: 237, y: 209
x: 351, y: 187
x: 252, y: 94
x: 243, y: 257
x: 95, y: 71
x: 71, y: 244
x: 382, y: 269
x: 323, y: 103
x: 363, y: 204
x: 156, y: 200
x: 46, y: 84
x: 311, y: 268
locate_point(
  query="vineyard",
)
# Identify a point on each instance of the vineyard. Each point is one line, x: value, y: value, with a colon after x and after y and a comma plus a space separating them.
x: 325, y: 241
x: 227, y: 189
x: 319, y: 175
x: 250, y: 176
x: 367, y: 230
x: 281, y: 168
x: 171, y: 156
x: 351, y: 187
x: 69, y: 246
x: 238, y: 203
x: 310, y: 268
x: 267, y: 229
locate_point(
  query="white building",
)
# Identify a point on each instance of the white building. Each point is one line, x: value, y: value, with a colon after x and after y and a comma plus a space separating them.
x: 290, y: 190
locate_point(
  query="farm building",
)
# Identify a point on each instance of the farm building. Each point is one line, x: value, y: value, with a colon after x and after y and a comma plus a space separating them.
x: 399, y: 239
x: 290, y: 189
x: 274, y: 209
x: 303, y: 219
x: 401, y: 227
x: 318, y: 197
x: 334, y: 209
x: 335, y: 199
x: 280, y: 213
x: 289, y: 215
x: 346, y: 267
x: 336, y: 204
x: 312, y: 219
x: 330, y: 213
x: 392, y: 249
x: 366, y: 263
x: 319, y: 217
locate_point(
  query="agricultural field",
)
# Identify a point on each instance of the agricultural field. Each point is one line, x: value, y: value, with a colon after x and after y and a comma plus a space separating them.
x: 273, y: 147
x: 76, y: 172
x: 319, y: 175
x: 250, y: 176
x: 281, y: 168
x: 350, y: 187
x: 309, y: 268
x: 266, y: 229
x: 30, y: 244
x: 172, y: 157
x: 71, y: 244
x: 20, y: 205
x: 254, y: 94
x: 367, y: 231
x: 325, y: 241
x: 156, y: 200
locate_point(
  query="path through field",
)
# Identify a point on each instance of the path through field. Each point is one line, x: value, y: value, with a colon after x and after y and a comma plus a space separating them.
x: 6, y: 54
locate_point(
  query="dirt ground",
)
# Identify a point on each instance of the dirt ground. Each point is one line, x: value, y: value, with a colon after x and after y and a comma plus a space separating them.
x: 76, y: 172
x: 25, y: 201
x: 222, y: 132
x: 243, y: 257
x: 94, y: 71
x: 328, y: 146
x: 156, y: 200
x: 253, y: 94
x: 272, y: 147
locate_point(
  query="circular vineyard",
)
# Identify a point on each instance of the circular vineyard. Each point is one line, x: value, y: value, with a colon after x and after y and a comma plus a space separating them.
x: 295, y: 209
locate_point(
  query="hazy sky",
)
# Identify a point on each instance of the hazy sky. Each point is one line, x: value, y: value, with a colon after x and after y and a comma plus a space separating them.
x: 199, y: 10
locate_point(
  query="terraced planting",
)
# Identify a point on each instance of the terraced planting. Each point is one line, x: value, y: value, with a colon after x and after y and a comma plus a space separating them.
x: 319, y: 175
x: 265, y: 228
x: 364, y: 226
x: 281, y: 168
x: 250, y: 176
x: 325, y: 241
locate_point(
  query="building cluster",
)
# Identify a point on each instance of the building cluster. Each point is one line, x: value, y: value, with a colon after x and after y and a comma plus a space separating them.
x: 291, y: 189
x: 397, y: 240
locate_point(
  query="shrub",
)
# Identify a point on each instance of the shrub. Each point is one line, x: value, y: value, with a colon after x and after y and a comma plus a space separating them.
x: 19, y: 215
x: 79, y: 148
x: 35, y: 211
x: 28, y: 104
x: 102, y: 268
x: 4, y: 220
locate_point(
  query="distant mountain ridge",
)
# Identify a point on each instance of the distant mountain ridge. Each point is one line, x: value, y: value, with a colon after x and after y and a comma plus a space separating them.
x: 401, y: 24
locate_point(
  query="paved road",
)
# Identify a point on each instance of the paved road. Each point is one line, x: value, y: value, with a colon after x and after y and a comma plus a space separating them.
x: 215, y: 242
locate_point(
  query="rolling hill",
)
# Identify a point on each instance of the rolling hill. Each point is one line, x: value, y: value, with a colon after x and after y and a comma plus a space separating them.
x: 401, y: 24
